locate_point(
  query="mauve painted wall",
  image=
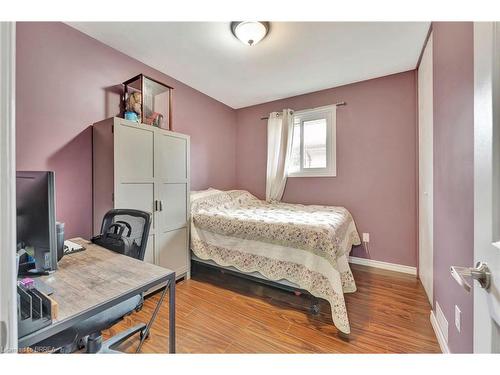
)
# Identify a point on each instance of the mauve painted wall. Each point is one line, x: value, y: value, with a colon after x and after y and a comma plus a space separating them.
x: 453, y: 55
x: 376, y: 160
x: 66, y: 81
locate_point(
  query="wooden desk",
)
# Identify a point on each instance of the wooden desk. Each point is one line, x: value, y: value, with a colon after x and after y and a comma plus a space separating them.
x: 96, y: 279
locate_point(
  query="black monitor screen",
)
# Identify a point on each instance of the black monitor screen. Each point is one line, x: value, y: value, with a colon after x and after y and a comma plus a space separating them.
x: 36, y: 225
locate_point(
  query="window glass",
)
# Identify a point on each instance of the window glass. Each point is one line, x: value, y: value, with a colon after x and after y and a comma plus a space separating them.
x: 313, y: 144
x: 295, y: 159
x: 314, y: 155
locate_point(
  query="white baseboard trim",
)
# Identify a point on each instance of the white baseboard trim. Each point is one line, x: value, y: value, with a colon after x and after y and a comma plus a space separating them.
x: 439, y: 335
x: 384, y: 265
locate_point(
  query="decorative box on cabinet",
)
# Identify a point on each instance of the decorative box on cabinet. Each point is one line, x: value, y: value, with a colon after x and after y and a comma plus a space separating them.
x: 147, y: 168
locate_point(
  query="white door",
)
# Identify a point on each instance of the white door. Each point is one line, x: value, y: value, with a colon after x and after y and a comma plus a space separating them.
x: 172, y: 181
x: 487, y: 184
x: 425, y: 166
x: 134, y: 175
x: 8, y: 306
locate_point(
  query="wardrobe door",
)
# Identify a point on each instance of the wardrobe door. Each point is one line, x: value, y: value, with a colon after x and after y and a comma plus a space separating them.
x: 172, y: 251
x: 134, y: 174
x: 173, y: 208
x: 134, y: 153
x: 138, y: 196
x: 134, y: 168
x: 172, y: 233
x: 172, y: 186
x: 171, y: 156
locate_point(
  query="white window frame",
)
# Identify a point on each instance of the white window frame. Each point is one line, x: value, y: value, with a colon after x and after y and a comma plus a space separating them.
x: 329, y: 114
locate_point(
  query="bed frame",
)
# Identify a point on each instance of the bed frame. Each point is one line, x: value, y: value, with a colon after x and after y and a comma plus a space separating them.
x: 257, y: 277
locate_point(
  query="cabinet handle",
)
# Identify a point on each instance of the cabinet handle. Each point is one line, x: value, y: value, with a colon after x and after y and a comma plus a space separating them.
x: 158, y: 205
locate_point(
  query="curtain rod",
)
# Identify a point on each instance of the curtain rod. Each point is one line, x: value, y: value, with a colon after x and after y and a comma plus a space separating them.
x: 336, y: 104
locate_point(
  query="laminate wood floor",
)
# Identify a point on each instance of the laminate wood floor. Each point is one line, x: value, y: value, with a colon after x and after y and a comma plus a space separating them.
x: 221, y: 313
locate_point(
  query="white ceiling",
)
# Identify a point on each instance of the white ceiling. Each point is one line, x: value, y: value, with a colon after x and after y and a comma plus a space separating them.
x: 295, y: 58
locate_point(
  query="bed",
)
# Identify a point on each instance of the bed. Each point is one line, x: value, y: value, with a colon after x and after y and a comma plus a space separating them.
x: 300, y: 245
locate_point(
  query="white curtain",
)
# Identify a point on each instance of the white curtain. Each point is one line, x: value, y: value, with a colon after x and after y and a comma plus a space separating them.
x: 279, y: 147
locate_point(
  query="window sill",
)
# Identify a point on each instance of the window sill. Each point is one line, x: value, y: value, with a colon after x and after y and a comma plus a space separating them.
x: 313, y: 175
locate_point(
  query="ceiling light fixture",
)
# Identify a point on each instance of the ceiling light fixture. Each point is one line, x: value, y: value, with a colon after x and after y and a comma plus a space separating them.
x: 250, y: 32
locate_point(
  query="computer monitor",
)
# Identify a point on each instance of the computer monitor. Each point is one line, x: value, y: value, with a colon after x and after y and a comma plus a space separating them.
x: 36, y: 217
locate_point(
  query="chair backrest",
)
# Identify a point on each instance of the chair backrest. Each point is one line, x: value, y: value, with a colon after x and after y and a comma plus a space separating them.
x: 137, y: 221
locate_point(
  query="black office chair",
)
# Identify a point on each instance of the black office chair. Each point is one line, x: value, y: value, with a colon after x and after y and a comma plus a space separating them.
x: 87, y: 334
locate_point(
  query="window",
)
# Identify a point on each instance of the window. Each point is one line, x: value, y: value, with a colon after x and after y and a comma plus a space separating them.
x: 313, y: 143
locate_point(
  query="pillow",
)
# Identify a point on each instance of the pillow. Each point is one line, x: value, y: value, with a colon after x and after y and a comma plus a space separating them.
x: 204, y: 199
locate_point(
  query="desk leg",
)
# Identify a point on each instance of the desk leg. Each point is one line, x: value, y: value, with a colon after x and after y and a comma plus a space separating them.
x: 168, y: 287
x: 171, y: 315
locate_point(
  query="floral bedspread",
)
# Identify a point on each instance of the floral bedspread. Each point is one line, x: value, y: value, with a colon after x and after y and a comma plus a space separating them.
x: 237, y: 213
x: 307, y: 245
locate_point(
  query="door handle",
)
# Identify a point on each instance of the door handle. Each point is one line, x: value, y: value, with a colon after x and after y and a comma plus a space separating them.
x: 481, y: 273
x: 158, y: 205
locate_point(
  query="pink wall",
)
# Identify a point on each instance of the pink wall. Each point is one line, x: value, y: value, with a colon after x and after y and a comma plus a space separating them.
x: 376, y: 160
x: 453, y: 55
x: 66, y: 81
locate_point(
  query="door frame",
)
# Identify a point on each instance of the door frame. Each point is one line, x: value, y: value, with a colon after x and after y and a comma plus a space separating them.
x: 429, y: 194
x: 8, y: 304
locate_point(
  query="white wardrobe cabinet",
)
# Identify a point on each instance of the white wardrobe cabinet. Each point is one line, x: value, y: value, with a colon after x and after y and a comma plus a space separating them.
x: 143, y: 167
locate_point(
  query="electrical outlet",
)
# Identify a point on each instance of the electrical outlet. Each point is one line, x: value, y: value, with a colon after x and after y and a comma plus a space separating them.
x: 366, y: 237
x: 458, y: 317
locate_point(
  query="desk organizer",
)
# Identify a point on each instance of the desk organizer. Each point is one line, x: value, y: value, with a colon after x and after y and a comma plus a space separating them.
x: 33, y: 310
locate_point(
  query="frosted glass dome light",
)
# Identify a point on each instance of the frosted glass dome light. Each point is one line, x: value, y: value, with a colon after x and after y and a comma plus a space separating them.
x: 250, y: 32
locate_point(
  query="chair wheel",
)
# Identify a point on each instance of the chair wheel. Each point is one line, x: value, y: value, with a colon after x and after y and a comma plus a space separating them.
x: 315, y: 309
x: 82, y: 343
x: 142, y: 335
